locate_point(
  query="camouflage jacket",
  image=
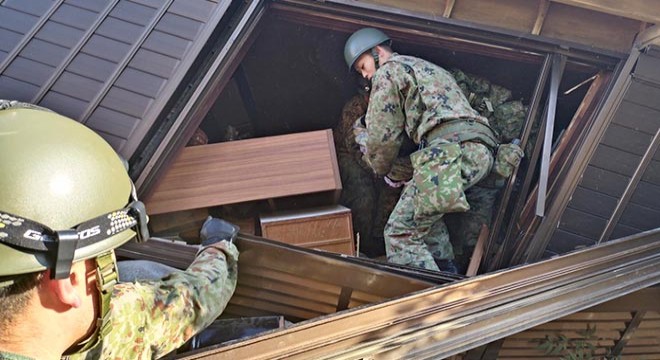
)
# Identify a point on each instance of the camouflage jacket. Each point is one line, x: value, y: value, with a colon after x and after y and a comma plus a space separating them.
x: 409, y: 95
x: 152, y: 318
x: 12, y: 356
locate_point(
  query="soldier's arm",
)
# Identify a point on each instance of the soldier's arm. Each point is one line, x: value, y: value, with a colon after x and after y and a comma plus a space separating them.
x: 153, y: 318
x: 385, y: 118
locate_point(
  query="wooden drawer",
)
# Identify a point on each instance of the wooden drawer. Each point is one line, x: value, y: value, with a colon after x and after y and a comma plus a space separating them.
x: 326, y: 228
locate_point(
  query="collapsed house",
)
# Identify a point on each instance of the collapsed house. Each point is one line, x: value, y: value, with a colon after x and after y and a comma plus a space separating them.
x: 265, y: 81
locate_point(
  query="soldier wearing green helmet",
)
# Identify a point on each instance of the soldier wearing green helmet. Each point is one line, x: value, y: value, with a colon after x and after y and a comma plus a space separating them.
x: 411, y: 97
x: 66, y: 201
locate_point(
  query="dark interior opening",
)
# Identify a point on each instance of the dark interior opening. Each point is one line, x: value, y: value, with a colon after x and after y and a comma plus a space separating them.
x: 294, y: 79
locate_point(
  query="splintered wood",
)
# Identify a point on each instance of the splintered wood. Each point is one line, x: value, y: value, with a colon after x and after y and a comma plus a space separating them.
x: 247, y: 170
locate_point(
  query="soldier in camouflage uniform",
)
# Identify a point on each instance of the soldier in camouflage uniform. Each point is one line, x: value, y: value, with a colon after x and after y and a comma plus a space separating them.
x: 371, y: 201
x: 64, y: 206
x: 415, y: 98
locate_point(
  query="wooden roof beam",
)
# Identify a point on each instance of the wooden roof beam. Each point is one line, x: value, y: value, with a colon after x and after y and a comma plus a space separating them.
x: 643, y: 10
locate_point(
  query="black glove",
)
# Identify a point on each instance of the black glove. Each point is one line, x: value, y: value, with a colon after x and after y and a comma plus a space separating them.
x: 215, y: 230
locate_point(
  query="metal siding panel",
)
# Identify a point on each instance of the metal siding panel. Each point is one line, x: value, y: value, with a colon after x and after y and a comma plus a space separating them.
x: 638, y: 117
x: 154, y: 63
x: 15, y: 89
x: 149, y: 3
x: 114, y: 141
x: 74, y: 16
x: 77, y: 86
x: 199, y: 10
x: 140, y: 82
x: 9, y: 39
x: 44, y: 52
x: 640, y: 217
x: 564, y: 241
x: 93, y: 5
x: 17, y: 21
x: 64, y: 35
x: 593, y: 202
x: 166, y: 44
x: 120, y: 30
x: 64, y: 104
x: 627, y: 139
x: 104, y: 48
x: 112, y: 122
x: 648, y: 67
x: 33, y: 7
x: 179, y: 26
x: 30, y: 71
x: 91, y: 67
x: 621, y: 230
x: 652, y: 173
x: 132, y: 12
x: 581, y: 223
x: 126, y: 102
x: 644, y: 94
x: 615, y: 160
x: 647, y: 194
x: 3, y: 55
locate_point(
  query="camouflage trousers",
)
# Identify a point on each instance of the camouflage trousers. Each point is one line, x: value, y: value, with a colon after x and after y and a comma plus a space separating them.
x: 419, y: 240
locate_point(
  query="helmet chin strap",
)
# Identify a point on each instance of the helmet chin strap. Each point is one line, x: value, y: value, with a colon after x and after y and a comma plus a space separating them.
x: 374, y: 54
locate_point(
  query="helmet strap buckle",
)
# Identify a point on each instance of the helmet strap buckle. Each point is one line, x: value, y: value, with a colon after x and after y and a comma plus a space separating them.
x: 138, y: 210
x: 67, y: 242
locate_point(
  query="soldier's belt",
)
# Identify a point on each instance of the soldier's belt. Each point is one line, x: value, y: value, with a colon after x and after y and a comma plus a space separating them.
x: 461, y: 130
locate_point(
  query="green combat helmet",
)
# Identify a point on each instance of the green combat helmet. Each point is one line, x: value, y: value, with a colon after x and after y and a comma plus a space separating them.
x: 65, y: 196
x: 362, y: 41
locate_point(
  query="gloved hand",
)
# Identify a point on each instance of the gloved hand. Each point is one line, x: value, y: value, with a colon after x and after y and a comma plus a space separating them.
x: 215, y: 230
x: 360, y: 133
x: 401, y: 170
x: 508, y: 158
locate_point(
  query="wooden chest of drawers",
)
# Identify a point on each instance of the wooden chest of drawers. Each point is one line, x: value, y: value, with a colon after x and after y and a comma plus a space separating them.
x: 326, y: 228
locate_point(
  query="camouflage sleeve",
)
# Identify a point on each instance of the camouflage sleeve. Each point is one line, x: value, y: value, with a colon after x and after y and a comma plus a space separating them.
x: 150, y: 319
x: 385, y: 116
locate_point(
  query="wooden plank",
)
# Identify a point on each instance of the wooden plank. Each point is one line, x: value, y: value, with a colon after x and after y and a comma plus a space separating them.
x: 588, y: 27
x: 540, y: 17
x: 246, y: 170
x: 478, y: 252
x: 519, y: 15
x: 644, y: 10
x: 449, y: 7
x: 431, y: 7
x: 326, y: 228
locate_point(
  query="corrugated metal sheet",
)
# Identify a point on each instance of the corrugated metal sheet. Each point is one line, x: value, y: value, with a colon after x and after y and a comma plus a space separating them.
x: 109, y: 64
